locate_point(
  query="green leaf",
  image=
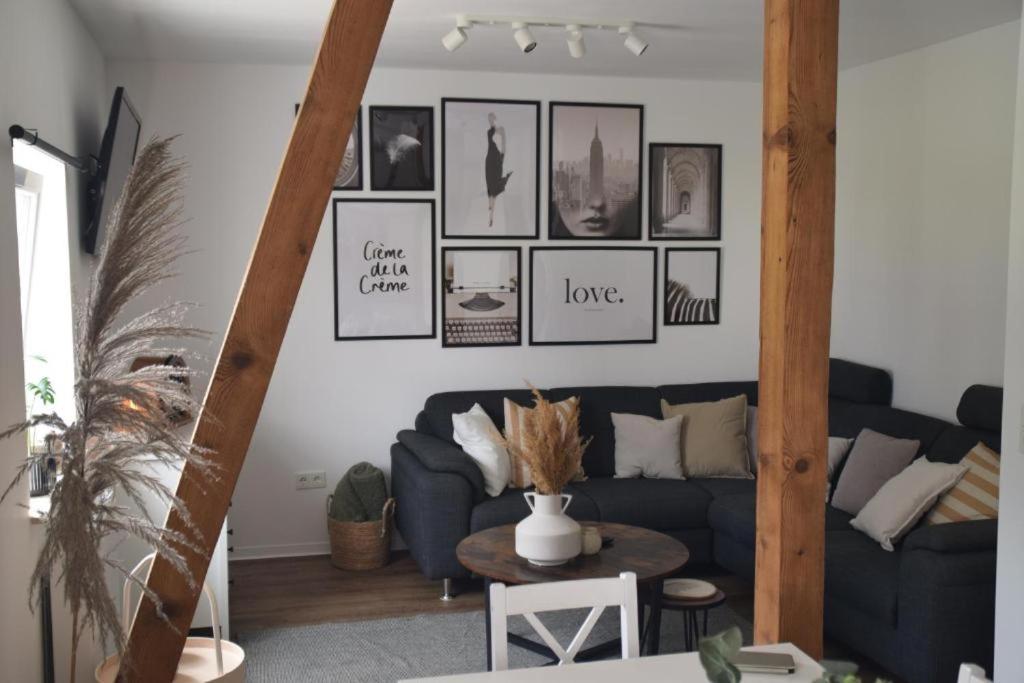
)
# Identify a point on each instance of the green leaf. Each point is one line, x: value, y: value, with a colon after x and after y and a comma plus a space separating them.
x: 716, y: 654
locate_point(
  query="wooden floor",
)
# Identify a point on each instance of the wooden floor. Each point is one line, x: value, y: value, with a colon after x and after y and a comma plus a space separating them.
x: 295, y: 591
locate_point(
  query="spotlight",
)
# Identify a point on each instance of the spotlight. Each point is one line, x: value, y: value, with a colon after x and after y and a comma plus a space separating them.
x: 524, y: 39
x: 633, y: 43
x: 574, y: 37
x: 454, y: 39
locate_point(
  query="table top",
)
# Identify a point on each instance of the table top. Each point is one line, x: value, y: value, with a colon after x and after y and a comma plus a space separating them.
x: 683, y: 668
x: 649, y: 554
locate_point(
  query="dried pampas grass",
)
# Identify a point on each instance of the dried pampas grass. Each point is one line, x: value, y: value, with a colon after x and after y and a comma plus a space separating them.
x: 550, y: 444
x: 122, y: 428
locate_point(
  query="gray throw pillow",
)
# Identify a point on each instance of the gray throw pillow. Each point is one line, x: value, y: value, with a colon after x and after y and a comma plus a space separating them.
x: 646, y: 446
x: 874, y: 460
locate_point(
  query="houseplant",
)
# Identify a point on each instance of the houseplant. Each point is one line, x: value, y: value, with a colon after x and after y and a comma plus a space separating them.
x: 121, y: 430
x: 551, y: 446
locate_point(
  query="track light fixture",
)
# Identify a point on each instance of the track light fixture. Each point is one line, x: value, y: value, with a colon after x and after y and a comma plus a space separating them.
x: 520, y: 26
x: 574, y: 37
x: 524, y: 39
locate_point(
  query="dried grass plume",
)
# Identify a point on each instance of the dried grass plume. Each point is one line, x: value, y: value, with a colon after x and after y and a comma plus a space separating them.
x: 550, y: 444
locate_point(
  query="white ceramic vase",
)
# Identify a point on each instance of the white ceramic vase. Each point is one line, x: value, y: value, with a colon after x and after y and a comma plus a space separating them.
x: 548, y: 537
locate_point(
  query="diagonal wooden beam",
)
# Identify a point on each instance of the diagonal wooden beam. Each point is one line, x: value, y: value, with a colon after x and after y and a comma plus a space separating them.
x: 260, y: 318
x: 798, y: 215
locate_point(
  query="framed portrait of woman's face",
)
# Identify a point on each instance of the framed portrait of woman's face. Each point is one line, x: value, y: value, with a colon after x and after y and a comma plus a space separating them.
x: 594, y: 178
x: 490, y: 165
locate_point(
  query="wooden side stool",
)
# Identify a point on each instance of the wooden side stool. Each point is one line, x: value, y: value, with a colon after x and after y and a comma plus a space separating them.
x: 692, y: 597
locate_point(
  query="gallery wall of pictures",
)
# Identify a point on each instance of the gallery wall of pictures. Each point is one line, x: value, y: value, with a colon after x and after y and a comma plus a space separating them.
x: 387, y: 276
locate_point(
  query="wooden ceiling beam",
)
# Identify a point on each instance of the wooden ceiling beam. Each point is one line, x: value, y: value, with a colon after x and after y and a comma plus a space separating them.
x: 797, y: 239
x: 262, y: 311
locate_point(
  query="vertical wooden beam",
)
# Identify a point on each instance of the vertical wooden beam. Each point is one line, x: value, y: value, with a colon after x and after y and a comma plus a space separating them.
x: 260, y: 318
x: 798, y: 214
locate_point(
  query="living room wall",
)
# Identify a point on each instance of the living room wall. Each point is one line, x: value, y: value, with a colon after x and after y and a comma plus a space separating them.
x: 904, y: 257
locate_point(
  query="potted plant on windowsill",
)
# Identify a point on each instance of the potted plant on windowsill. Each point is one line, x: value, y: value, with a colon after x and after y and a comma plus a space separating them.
x: 552, y: 448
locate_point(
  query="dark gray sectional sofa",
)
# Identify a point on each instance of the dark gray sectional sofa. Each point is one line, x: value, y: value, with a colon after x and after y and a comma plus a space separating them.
x: 918, y: 612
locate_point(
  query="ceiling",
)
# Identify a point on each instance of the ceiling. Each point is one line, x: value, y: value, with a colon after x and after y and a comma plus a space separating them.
x: 704, y: 39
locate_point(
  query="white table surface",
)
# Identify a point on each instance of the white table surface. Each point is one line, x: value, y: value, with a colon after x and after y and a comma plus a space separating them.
x: 679, y: 668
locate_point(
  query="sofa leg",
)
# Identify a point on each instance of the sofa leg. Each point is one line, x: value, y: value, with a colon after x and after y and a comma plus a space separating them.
x: 447, y: 593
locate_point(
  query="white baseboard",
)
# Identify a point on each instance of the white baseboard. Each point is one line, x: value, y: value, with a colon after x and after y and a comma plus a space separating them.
x: 262, y: 552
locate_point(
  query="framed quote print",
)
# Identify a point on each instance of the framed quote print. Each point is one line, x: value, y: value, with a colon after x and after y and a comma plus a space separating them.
x: 686, y: 192
x: 692, y: 285
x: 594, y: 181
x: 480, y: 296
x: 490, y: 163
x: 384, y: 270
x: 350, y: 172
x: 401, y: 148
x: 593, y: 295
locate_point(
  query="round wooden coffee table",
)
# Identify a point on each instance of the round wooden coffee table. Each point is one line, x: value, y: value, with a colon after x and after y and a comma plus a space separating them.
x: 652, y: 556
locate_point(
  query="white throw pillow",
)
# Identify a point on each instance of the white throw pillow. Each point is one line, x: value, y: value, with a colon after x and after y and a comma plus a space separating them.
x: 646, y: 446
x: 904, y: 499
x: 476, y: 433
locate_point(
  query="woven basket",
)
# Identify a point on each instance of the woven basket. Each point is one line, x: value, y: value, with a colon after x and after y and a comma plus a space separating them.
x: 361, y: 545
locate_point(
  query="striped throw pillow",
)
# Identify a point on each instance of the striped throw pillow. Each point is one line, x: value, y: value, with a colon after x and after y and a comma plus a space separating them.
x: 515, y: 416
x: 977, y: 494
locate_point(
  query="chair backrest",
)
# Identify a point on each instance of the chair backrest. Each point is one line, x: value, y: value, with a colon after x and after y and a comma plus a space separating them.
x: 972, y: 673
x: 563, y: 595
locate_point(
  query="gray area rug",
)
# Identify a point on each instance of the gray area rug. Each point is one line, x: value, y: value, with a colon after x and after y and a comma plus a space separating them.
x: 388, y: 650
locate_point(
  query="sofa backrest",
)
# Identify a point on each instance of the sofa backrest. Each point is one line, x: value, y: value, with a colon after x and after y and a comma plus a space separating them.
x: 981, y: 415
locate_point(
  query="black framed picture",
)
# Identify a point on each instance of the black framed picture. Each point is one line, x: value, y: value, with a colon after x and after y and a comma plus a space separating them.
x: 350, y: 172
x: 595, y: 156
x: 401, y: 148
x: 384, y: 269
x: 693, y: 286
x: 686, y: 192
x: 593, y: 295
x: 480, y: 296
x: 490, y: 165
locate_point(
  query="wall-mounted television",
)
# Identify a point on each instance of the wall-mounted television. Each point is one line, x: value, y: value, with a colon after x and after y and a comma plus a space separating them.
x: 117, y: 154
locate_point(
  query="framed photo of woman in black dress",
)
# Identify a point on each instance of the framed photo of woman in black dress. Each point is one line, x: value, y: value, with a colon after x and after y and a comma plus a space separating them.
x: 490, y: 165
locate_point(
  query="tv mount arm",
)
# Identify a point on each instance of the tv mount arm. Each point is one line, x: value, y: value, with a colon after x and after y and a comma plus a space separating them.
x: 87, y: 164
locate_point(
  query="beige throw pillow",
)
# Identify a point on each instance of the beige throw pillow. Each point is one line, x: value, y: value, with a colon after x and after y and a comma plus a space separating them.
x: 515, y: 416
x: 976, y: 496
x: 713, y: 437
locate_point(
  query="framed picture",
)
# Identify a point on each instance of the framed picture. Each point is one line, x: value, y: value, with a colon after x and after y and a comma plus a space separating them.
x: 401, y: 148
x: 686, y: 192
x: 594, y: 182
x: 350, y: 173
x: 384, y: 269
x: 490, y: 163
x: 692, y: 286
x: 480, y: 301
x: 593, y: 295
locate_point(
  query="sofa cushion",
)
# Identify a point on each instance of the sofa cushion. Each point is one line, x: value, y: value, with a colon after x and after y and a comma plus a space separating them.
x: 436, y: 417
x: 659, y: 504
x: 981, y: 407
x: 596, y: 407
x: 510, y: 508
x: 646, y: 446
x: 848, y: 419
x: 859, y: 573
x: 713, y: 437
x: 875, y: 459
x: 955, y: 442
x: 727, y: 487
x: 708, y: 391
x: 735, y: 515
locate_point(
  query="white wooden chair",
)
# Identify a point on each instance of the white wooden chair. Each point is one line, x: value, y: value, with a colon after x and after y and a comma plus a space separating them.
x: 563, y: 595
x: 972, y: 673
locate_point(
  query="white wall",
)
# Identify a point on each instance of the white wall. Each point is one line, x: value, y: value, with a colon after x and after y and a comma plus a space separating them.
x: 1009, y: 660
x: 52, y: 77
x: 922, y: 206
x: 332, y: 404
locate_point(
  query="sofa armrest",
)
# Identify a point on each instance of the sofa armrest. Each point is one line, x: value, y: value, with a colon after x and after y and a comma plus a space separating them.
x: 439, y: 456
x: 957, y: 537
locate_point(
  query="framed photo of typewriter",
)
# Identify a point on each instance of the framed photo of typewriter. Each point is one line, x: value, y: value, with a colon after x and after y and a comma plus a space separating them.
x: 385, y: 275
x: 481, y: 303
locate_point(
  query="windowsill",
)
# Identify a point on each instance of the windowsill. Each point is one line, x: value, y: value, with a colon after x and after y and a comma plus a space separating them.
x: 38, y: 509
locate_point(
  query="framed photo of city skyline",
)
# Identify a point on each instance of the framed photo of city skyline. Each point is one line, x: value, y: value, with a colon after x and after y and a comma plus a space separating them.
x: 594, y: 181
x: 686, y: 191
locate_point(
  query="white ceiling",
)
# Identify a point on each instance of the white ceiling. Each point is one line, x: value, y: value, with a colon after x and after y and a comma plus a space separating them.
x: 709, y: 39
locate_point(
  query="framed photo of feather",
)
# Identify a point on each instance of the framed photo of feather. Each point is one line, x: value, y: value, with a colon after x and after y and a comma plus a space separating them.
x: 402, y: 148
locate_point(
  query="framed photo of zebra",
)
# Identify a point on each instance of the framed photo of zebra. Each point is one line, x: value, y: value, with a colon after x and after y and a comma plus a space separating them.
x: 686, y: 192
x: 692, y: 286
x: 401, y: 148
x: 593, y: 295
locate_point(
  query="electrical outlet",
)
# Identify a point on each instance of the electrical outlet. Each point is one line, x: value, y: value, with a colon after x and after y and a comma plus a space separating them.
x: 310, y: 480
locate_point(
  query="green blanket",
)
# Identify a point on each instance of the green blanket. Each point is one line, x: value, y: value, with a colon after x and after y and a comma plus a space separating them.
x: 360, y: 495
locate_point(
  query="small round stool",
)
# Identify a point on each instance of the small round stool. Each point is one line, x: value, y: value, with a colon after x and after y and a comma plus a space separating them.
x: 691, y: 597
